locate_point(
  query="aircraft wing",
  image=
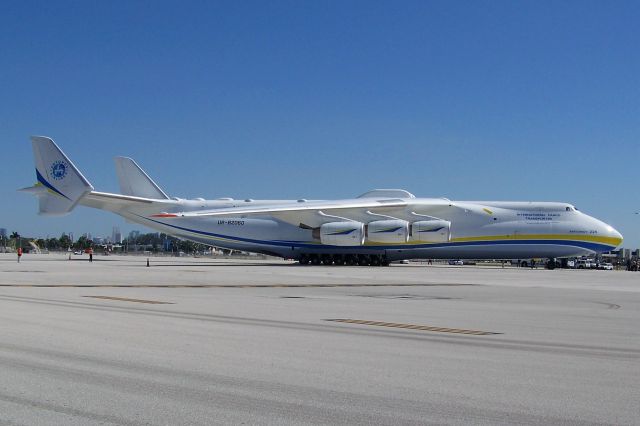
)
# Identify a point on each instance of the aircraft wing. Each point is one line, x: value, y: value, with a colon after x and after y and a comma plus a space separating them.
x: 315, y: 213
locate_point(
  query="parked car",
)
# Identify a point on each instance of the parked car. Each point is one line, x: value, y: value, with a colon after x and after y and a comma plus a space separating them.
x: 583, y: 264
x: 456, y: 262
x: 605, y: 266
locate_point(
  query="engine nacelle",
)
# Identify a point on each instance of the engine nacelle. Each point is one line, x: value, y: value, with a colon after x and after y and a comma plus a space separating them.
x: 342, y: 233
x: 388, y: 231
x: 431, y: 231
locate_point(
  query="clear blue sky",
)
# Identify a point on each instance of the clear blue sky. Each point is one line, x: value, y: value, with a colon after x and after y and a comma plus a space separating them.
x: 499, y: 100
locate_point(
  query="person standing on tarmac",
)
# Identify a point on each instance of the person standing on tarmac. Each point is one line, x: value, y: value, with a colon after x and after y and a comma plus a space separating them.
x: 90, y: 255
x: 19, y: 253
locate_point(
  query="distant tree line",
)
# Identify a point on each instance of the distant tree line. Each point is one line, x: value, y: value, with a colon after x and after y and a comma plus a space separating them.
x: 62, y: 243
x: 155, y: 242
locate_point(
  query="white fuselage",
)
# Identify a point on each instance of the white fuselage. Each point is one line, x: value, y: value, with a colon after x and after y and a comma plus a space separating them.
x: 479, y: 230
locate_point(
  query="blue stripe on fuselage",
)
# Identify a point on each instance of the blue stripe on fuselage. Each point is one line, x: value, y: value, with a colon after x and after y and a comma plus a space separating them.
x: 281, y: 243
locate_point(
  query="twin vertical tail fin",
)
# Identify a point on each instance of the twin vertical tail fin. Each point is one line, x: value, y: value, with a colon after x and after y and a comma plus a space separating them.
x: 134, y: 181
x: 60, y: 184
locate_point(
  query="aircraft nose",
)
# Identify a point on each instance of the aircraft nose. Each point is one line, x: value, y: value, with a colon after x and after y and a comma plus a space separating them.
x: 613, y: 235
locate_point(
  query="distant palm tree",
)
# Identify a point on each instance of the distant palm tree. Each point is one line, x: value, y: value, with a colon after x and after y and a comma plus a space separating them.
x: 14, y: 235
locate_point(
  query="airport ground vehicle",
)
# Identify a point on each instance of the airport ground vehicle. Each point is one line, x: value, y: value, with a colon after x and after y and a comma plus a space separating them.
x: 605, y: 266
x: 585, y: 264
x: 374, y: 228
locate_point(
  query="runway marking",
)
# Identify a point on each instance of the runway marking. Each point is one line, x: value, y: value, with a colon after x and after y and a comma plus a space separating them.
x: 232, y: 285
x: 609, y: 305
x: 126, y: 299
x: 414, y: 326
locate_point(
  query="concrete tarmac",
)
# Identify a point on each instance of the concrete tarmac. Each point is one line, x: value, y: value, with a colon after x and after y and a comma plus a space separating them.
x: 198, y: 342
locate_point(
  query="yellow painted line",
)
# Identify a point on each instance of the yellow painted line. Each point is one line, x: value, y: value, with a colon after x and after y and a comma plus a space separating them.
x: 414, y: 327
x: 126, y: 299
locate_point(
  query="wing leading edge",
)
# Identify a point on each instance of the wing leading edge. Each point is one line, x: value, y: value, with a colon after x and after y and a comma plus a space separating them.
x: 316, y: 213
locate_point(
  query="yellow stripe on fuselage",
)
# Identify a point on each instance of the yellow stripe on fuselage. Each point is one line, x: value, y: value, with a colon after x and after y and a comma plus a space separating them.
x: 613, y: 241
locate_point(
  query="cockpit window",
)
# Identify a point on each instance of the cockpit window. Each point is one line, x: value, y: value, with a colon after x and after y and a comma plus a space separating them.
x: 571, y: 209
x: 568, y: 209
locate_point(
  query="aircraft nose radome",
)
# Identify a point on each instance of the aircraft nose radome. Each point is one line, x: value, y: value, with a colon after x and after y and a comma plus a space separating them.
x: 614, y: 235
x: 617, y: 235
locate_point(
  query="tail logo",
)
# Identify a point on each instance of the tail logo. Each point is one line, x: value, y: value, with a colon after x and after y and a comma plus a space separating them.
x: 59, y: 169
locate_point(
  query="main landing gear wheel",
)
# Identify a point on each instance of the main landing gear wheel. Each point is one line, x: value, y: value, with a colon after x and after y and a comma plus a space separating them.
x: 343, y: 259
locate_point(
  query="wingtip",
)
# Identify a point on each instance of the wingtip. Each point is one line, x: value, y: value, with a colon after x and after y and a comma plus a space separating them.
x: 37, y: 138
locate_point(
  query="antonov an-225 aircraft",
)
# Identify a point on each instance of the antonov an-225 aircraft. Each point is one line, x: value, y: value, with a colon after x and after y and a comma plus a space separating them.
x: 375, y: 228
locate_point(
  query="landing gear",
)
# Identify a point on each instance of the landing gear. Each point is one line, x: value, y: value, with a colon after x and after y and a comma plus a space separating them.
x: 551, y: 263
x: 326, y: 259
x: 343, y: 259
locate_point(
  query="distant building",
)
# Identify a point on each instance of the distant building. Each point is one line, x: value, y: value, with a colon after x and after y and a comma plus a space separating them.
x: 3, y: 232
x: 116, y: 236
x: 134, y: 234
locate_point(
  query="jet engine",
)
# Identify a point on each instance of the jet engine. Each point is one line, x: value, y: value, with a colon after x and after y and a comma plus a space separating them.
x: 388, y: 231
x: 431, y: 231
x: 342, y: 233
